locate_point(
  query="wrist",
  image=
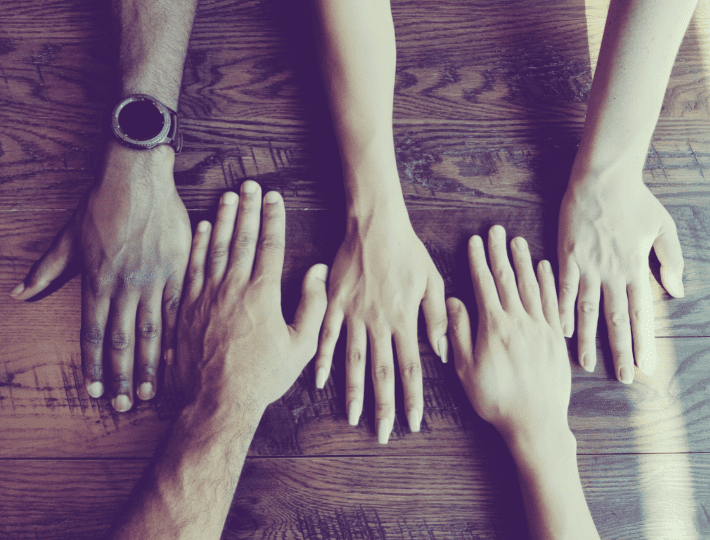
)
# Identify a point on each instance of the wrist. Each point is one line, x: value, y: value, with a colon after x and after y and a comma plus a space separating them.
x: 542, y: 449
x: 152, y: 167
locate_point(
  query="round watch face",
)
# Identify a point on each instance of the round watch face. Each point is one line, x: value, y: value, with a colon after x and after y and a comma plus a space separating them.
x: 141, y: 121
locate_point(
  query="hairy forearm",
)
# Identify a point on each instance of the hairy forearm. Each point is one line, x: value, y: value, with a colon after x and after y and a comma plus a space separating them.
x: 152, y: 41
x: 552, y: 490
x: 189, y: 491
x: 641, y: 40
x: 358, y: 55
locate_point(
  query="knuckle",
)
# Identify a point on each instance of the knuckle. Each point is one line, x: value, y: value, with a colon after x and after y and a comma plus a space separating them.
x: 218, y: 252
x: 588, y: 308
x: 119, y: 340
x: 354, y: 389
x: 383, y: 410
x: 383, y: 373
x: 92, y: 336
x: 120, y: 381
x: 92, y: 370
x: 355, y: 359
x: 271, y: 243
x: 619, y: 319
x: 172, y: 303
x: 637, y: 315
x: 568, y: 288
x: 244, y: 240
x: 503, y: 274
x: 410, y: 371
x: 148, y: 331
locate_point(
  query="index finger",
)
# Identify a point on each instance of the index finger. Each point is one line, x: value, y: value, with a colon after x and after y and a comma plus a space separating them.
x: 483, y: 285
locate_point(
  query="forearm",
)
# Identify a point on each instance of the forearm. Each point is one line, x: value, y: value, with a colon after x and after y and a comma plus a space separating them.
x: 358, y: 55
x: 552, y: 491
x: 152, y: 42
x: 189, y: 491
x: 640, y: 43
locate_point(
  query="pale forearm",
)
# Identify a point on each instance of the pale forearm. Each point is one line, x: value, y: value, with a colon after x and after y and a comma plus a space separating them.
x: 152, y: 39
x: 640, y: 43
x: 552, y: 491
x: 358, y: 55
x: 189, y: 491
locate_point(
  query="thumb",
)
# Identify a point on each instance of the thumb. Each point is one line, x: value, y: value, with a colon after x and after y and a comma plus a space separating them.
x: 311, y: 310
x: 49, y: 267
x: 670, y: 254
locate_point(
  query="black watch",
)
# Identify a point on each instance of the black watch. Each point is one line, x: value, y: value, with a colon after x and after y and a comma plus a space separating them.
x: 142, y: 122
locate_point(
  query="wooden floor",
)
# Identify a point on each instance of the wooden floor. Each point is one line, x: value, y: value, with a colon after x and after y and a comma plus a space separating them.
x: 489, y: 107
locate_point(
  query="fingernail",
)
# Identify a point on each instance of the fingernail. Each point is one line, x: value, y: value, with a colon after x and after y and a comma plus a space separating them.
x: 321, y: 377
x: 626, y: 375
x: 272, y: 197
x: 169, y: 357
x: 145, y: 391
x: 567, y: 330
x: 320, y: 272
x: 203, y: 226
x: 414, y: 419
x: 95, y: 389
x: 520, y: 242
x: 230, y: 198
x: 672, y: 282
x: 354, y: 412
x: 121, y: 403
x: 680, y: 286
x: 546, y: 266
x: 498, y: 231
x: 17, y: 291
x: 443, y: 345
x: 249, y: 186
x: 384, y: 426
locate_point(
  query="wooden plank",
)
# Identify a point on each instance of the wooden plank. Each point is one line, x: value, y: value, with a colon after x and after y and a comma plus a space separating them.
x: 465, y: 497
x: 489, y: 111
x: 46, y: 412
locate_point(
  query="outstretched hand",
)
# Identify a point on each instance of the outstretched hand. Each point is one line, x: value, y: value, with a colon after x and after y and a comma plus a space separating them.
x: 518, y: 377
x: 381, y: 274
x: 606, y: 232
x: 131, y: 236
x: 234, y: 346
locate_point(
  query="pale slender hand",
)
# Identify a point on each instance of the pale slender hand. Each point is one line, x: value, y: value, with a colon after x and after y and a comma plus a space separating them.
x: 606, y: 230
x: 131, y: 235
x: 381, y: 274
x: 234, y: 345
x: 518, y: 379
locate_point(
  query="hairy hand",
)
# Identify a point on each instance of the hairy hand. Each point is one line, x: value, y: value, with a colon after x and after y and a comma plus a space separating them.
x: 518, y: 377
x: 381, y: 274
x: 606, y: 232
x: 234, y: 346
x: 131, y: 236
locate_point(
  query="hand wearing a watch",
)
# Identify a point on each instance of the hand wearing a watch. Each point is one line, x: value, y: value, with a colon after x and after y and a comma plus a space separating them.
x: 142, y: 122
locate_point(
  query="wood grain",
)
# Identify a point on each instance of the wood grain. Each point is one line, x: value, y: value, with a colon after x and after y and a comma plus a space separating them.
x: 464, y: 497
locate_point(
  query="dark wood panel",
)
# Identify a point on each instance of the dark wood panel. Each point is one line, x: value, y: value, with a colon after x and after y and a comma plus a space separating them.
x: 470, y: 496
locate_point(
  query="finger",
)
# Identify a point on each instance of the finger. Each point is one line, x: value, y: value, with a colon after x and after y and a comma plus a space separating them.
x: 326, y: 346
x: 120, y: 340
x: 355, y: 362
x: 171, y: 307
x: 410, y: 370
x: 641, y: 312
x: 483, y: 285
x: 148, y: 332
x: 246, y: 234
x: 528, y: 287
x: 588, y: 318
x: 270, y: 251
x: 49, y: 266
x: 569, y: 287
x: 195, y: 278
x: 434, y: 308
x: 616, y: 313
x: 94, y: 317
x: 501, y: 269
x: 548, y: 294
x: 460, y: 334
x: 310, y: 311
x: 670, y: 255
x: 218, y: 254
x: 383, y: 380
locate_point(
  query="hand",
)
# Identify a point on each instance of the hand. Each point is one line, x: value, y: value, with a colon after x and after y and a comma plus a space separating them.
x: 607, y: 227
x: 381, y: 274
x: 233, y: 344
x: 131, y: 235
x: 518, y: 378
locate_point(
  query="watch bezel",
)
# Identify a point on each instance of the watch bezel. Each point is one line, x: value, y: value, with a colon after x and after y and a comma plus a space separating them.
x: 160, y: 138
